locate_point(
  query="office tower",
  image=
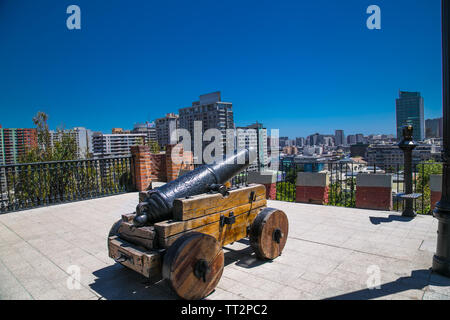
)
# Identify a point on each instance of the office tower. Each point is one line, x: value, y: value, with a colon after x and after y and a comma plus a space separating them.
x: 339, y: 138
x: 83, y: 138
x: 409, y: 109
x: 115, y: 145
x: 14, y: 142
x: 166, y: 129
x: 212, y: 112
x: 351, y: 139
x: 434, y: 128
x: 254, y: 136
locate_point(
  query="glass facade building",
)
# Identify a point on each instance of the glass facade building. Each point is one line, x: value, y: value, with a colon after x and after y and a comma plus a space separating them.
x: 409, y: 110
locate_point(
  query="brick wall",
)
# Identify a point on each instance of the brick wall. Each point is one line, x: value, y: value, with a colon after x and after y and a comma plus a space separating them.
x: 374, y: 191
x: 150, y: 167
x: 311, y: 194
x: 142, y: 167
x: 312, y: 187
x: 266, y: 178
x: 158, y: 169
x: 177, y: 160
x: 377, y: 198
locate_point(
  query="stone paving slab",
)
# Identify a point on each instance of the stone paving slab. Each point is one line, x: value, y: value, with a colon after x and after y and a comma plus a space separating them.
x: 331, y: 253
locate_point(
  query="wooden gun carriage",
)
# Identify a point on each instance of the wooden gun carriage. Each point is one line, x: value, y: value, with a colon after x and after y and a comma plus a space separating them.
x: 187, y: 250
x: 179, y: 229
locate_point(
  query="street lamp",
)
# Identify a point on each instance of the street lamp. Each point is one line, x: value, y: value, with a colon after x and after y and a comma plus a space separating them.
x: 408, y: 145
x: 441, y: 260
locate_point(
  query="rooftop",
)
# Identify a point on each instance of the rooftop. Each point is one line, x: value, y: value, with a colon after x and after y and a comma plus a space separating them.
x: 331, y: 252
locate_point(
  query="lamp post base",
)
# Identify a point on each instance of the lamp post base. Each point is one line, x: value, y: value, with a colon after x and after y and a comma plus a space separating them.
x: 441, y: 266
x: 441, y: 260
x: 410, y: 213
x: 409, y: 210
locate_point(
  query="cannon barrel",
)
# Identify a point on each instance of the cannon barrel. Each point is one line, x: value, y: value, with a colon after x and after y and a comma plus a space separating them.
x: 158, y: 204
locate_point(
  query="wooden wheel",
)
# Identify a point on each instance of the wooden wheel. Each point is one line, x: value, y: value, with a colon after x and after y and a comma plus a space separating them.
x: 268, y: 233
x: 193, y: 264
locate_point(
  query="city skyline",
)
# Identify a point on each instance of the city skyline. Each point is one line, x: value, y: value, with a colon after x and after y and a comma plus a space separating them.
x: 293, y: 66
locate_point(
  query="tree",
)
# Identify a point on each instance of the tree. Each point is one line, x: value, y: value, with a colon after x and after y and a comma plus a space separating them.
x: 154, y: 146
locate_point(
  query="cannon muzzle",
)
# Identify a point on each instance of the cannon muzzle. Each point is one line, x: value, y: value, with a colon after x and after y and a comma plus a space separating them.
x: 158, y: 204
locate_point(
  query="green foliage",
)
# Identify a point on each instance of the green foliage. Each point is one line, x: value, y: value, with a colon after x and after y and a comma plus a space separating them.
x: 286, y: 191
x: 64, y: 146
x: 342, y: 195
x: 42, y: 178
x: 423, y: 184
x: 154, y: 146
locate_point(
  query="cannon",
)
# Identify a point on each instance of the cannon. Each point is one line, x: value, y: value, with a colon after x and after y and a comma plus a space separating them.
x: 158, y: 204
x: 179, y: 229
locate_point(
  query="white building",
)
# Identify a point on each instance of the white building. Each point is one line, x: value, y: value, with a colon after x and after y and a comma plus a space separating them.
x: 165, y: 128
x: 116, y: 145
x: 83, y: 138
x: 254, y: 136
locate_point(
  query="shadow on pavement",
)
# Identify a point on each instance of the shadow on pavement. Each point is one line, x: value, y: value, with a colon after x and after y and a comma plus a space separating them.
x: 117, y: 282
x: 245, y: 258
x: 418, y: 280
x: 391, y: 218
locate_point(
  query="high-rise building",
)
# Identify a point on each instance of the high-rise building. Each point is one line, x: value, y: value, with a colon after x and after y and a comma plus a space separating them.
x: 339, y: 138
x: 434, y: 128
x: 14, y: 142
x: 359, y: 138
x: 83, y: 138
x: 300, y: 142
x: 283, y: 142
x: 166, y: 129
x: 254, y: 136
x: 148, y: 128
x: 351, y: 139
x: 409, y: 109
x: 212, y: 112
x: 115, y: 145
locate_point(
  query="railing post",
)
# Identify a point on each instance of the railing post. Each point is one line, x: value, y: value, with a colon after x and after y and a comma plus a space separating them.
x: 441, y: 260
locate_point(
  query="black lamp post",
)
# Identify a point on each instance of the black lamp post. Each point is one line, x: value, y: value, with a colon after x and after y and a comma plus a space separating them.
x: 407, y: 145
x: 441, y: 260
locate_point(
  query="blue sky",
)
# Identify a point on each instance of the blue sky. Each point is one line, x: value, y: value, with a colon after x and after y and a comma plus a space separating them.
x: 300, y: 66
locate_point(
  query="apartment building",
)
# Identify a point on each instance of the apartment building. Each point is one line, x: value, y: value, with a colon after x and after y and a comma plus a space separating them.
x: 254, y: 136
x: 166, y: 129
x: 386, y: 156
x: 14, y: 142
x: 83, y: 138
x: 148, y: 128
x: 212, y: 112
x: 116, y: 145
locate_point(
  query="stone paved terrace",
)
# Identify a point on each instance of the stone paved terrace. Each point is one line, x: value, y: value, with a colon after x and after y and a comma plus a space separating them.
x: 327, y: 255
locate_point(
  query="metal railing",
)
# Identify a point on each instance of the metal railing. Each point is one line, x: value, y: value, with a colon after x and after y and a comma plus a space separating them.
x: 30, y: 185
x: 342, y: 186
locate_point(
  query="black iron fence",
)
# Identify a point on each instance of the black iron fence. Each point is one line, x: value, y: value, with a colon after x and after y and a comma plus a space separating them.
x: 342, y: 185
x: 25, y: 186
